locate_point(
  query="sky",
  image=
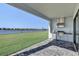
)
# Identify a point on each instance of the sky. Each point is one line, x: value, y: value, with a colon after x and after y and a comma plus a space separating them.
x: 11, y: 17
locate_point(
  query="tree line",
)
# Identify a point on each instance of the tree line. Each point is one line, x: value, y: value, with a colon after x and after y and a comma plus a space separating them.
x: 21, y: 29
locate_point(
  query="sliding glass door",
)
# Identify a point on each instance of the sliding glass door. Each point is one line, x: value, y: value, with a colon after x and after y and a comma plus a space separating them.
x: 77, y: 31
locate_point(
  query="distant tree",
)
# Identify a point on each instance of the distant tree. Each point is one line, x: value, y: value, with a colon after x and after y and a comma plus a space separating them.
x: 8, y: 28
x: 4, y: 28
x: 0, y: 28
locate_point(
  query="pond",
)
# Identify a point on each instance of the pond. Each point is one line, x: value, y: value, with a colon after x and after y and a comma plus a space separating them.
x: 16, y: 31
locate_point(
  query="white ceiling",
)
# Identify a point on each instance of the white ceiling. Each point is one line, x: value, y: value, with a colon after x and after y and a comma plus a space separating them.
x: 50, y: 10
x: 55, y: 10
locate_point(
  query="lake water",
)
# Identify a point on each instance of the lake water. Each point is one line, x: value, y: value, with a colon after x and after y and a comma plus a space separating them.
x: 16, y: 31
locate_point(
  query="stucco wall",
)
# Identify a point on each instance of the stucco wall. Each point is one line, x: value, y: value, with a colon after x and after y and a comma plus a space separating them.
x: 68, y: 29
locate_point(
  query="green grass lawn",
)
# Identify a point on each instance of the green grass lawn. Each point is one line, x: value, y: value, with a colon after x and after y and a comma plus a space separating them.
x: 11, y: 43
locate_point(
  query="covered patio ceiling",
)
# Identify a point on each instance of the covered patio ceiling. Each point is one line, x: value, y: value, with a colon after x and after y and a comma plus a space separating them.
x: 47, y: 10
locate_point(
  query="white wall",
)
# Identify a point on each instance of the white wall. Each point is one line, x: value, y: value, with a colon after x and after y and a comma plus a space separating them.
x: 68, y: 28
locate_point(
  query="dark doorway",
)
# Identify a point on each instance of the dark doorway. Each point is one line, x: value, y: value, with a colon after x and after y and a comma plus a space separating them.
x: 76, y: 31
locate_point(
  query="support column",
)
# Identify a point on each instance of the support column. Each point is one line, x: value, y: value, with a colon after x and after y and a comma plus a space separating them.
x: 50, y: 29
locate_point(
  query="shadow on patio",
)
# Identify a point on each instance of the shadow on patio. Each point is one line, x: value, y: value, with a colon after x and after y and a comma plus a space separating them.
x: 59, y: 43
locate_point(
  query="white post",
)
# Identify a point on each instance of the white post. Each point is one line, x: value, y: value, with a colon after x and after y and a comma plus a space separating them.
x: 50, y: 29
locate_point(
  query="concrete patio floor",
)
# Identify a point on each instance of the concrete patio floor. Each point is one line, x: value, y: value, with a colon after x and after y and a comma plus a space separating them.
x: 49, y: 48
x: 55, y: 51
